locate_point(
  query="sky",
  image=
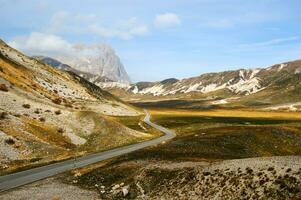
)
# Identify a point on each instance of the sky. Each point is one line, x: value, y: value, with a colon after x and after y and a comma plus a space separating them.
x: 160, y: 39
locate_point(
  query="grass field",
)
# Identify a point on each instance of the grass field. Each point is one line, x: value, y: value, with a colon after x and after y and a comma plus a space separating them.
x: 202, y: 136
x: 225, y: 134
x: 228, y: 113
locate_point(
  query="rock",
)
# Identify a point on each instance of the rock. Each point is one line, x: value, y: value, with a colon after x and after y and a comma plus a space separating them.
x: 3, y: 87
x: 115, y: 187
x: 77, y: 174
x: 125, y: 190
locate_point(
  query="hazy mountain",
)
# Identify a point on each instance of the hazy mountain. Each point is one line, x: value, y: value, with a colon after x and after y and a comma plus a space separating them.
x: 93, y: 78
x: 101, y: 81
x: 104, y: 62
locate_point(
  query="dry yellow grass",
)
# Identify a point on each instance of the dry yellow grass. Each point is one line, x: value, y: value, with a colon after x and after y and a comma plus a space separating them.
x: 90, y: 168
x: 229, y: 113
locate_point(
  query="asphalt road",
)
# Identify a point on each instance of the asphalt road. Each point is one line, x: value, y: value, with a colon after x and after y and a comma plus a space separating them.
x: 21, y: 178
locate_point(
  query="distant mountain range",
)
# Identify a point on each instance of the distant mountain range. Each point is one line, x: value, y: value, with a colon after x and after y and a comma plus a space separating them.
x: 275, y: 87
x: 279, y: 85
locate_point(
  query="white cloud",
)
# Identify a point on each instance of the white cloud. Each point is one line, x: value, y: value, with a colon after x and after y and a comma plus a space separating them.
x: 271, y: 42
x: 40, y: 43
x: 64, y: 22
x: 125, y: 30
x: 54, y: 46
x: 167, y: 20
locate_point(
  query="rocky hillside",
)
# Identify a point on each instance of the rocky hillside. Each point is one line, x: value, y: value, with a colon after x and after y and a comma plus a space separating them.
x: 278, y: 86
x: 46, y: 112
x: 238, y: 82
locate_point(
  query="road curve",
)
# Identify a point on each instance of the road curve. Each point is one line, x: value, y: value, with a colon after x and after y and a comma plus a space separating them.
x: 21, y: 178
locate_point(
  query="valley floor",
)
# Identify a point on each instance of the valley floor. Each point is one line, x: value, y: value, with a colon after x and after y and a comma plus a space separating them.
x: 217, y: 154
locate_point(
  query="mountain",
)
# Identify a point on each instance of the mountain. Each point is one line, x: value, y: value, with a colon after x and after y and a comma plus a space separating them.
x: 101, y: 81
x: 104, y: 62
x: 48, y: 114
x: 279, y: 84
x: 93, y: 78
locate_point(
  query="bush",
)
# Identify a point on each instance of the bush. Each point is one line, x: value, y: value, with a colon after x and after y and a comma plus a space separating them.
x: 10, y: 141
x: 58, y: 112
x: 42, y: 119
x: 17, y: 115
x: 3, y: 87
x: 249, y: 170
x: 68, y: 105
x: 57, y: 101
x: 26, y: 106
x: 3, y: 115
x: 60, y: 130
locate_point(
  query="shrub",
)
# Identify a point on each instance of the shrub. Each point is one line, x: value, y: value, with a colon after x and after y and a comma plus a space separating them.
x: 60, y: 130
x: 57, y: 101
x: 26, y: 106
x: 3, y: 115
x: 68, y: 105
x: 9, y: 141
x: 37, y: 111
x: 17, y: 115
x: 249, y: 170
x: 42, y: 119
x: 3, y: 87
x: 58, y: 112
x: 206, y: 173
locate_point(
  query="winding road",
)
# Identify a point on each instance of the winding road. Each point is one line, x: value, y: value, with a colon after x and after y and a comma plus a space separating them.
x: 21, y: 178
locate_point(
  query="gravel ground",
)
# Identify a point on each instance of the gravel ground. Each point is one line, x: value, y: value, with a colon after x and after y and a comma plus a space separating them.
x: 49, y: 189
x: 252, y: 178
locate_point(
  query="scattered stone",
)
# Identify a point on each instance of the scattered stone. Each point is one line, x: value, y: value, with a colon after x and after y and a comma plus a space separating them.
x: 125, y: 190
x: 3, y: 88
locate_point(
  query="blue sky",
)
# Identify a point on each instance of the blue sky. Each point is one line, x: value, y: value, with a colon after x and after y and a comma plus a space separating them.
x: 160, y: 39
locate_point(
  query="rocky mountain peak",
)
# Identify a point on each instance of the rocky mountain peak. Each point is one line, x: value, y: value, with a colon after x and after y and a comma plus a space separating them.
x: 102, y: 61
